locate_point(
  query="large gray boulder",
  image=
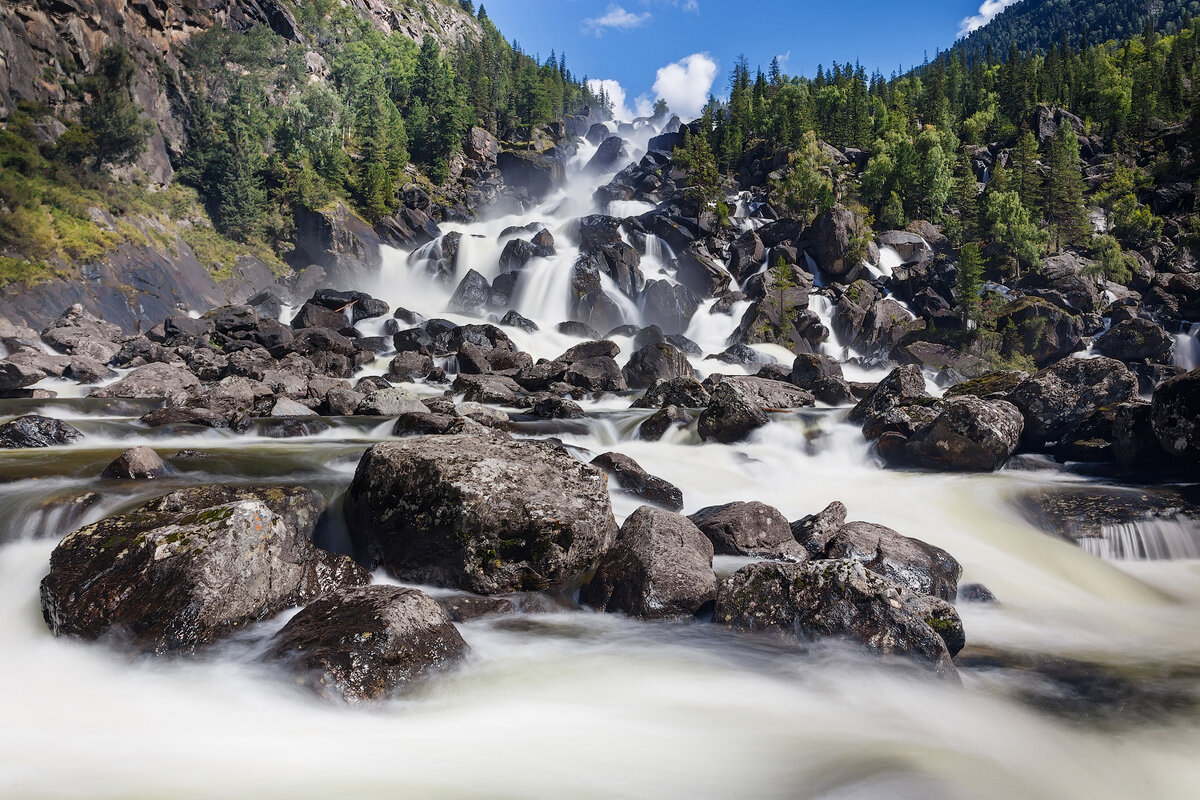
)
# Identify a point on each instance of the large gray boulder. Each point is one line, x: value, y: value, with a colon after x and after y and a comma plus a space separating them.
x: 730, y: 415
x: 765, y: 392
x: 970, y: 435
x: 1175, y: 415
x: 368, y: 643
x: 192, y: 566
x: 157, y: 381
x: 747, y: 529
x: 1056, y: 399
x: 656, y: 362
x: 35, y: 431
x: 479, y: 512
x: 628, y: 475
x: 920, y: 566
x: 1134, y: 340
x: 660, y: 566
x: 841, y: 600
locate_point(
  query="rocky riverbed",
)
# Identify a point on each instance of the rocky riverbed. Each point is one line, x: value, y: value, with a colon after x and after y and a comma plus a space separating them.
x: 548, y: 481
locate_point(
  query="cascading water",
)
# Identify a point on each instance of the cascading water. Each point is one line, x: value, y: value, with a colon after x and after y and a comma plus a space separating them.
x: 1186, y: 354
x: 590, y: 705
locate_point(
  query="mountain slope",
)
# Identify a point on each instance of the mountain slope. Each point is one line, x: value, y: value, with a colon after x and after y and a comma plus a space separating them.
x: 1034, y: 24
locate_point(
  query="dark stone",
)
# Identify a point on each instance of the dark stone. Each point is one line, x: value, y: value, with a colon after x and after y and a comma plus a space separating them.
x: 515, y: 320
x: 656, y: 362
x: 840, y: 600
x: 730, y: 416
x: 35, y: 431
x: 1058, y: 398
x: 629, y: 476
x: 1134, y: 340
x: 136, y: 463
x: 191, y: 567
x: 659, y: 567
x: 1175, y: 416
x: 480, y: 512
x: 683, y: 391
x: 368, y: 643
x: 661, y: 421
x: 747, y: 529
x: 815, y: 530
x: 471, y: 295
x: 969, y: 435
x: 921, y: 567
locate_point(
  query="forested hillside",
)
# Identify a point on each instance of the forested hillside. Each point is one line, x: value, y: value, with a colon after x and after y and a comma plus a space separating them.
x: 1033, y: 24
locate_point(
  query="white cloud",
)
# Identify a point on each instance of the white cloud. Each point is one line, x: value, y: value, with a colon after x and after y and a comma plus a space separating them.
x: 616, y: 93
x: 685, y: 84
x: 987, y: 12
x: 616, y: 18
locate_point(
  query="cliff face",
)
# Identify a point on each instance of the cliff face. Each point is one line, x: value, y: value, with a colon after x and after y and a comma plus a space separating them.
x: 47, y: 46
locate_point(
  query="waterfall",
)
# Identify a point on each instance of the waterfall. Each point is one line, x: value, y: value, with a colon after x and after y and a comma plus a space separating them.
x: 1186, y: 353
x: 1156, y: 539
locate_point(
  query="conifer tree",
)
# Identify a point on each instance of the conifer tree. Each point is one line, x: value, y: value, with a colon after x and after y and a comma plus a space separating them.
x: 1064, y: 191
x: 968, y: 282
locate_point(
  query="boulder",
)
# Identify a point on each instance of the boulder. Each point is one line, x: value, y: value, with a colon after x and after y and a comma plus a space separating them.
x: 730, y: 416
x: 659, y: 567
x: 840, y: 600
x: 921, y: 567
x: 903, y: 386
x: 657, y: 425
x: 79, y: 332
x: 35, y: 431
x: 389, y: 403
x: 471, y: 295
x: 1038, y: 329
x: 368, y: 643
x: 654, y: 363
x: 608, y: 156
x: 136, y: 463
x: 683, y: 391
x: 969, y: 435
x: 1136, y: 339
x: 192, y: 566
x: 628, y: 475
x: 156, y: 381
x: 831, y: 233
x: 478, y: 512
x: 1056, y: 399
x: 18, y: 376
x: 764, y: 392
x: 1175, y: 416
x: 747, y: 529
x: 537, y: 173
x: 815, y: 530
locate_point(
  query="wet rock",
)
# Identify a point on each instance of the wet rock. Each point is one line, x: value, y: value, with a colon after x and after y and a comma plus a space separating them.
x: 1040, y: 330
x: 660, y: 566
x: 360, y: 305
x: 815, y: 530
x: 292, y: 427
x: 557, y: 408
x: 989, y: 386
x: 1175, y: 416
x: 831, y: 234
x: 285, y: 407
x: 174, y: 384
x: 313, y: 315
x: 822, y: 376
x: 683, y: 391
x: 471, y: 295
x: 468, y: 607
x: 600, y: 374
x: 191, y: 567
x: 515, y: 320
x: 920, y: 566
x: 764, y: 392
x: 389, y: 403
x: 670, y: 306
x: 730, y: 416
x: 233, y: 319
x: 628, y: 475
x: 1134, y: 445
x: 902, y: 386
x: 79, y: 332
x: 608, y: 155
x: 747, y: 529
x: 341, y: 402
x: 18, y: 376
x: 975, y: 593
x: 1058, y: 398
x: 661, y: 421
x: 178, y: 415
x: 1134, y: 340
x: 969, y: 435
x: 35, y: 431
x: 136, y: 463
x: 368, y: 643
x: 478, y: 512
x: 409, y: 366
x: 843, y: 601
x: 741, y: 355
x: 656, y: 362
x: 495, y: 389
x: 484, y: 415
x: 423, y: 423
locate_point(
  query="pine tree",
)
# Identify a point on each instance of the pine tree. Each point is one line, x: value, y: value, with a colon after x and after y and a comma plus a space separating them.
x: 111, y: 127
x: 807, y: 186
x: 968, y: 282
x: 1064, y: 192
x: 966, y: 198
x: 1026, y: 177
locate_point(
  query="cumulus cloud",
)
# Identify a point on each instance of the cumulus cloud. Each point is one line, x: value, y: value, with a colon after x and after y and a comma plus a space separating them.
x: 616, y: 18
x: 643, y: 106
x: 685, y: 84
x: 987, y: 12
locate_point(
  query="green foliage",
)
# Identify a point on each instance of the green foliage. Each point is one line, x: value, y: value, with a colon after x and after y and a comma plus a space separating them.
x: 111, y: 129
x: 1016, y: 239
x: 807, y: 186
x: 1064, y: 190
x: 1026, y: 175
x: 968, y: 282
x: 1109, y: 263
x: 696, y: 159
x: 1129, y: 220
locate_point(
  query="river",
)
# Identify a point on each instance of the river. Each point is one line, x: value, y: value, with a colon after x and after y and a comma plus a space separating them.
x: 581, y: 704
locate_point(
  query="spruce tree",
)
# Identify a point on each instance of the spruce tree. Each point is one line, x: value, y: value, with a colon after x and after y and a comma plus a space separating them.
x: 1026, y: 178
x: 968, y: 282
x: 1064, y: 192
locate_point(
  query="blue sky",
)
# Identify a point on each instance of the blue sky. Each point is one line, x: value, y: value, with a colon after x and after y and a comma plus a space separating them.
x: 678, y: 49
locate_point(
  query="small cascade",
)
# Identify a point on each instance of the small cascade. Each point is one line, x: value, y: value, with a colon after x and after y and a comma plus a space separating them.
x: 1186, y: 354
x: 1157, y: 539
